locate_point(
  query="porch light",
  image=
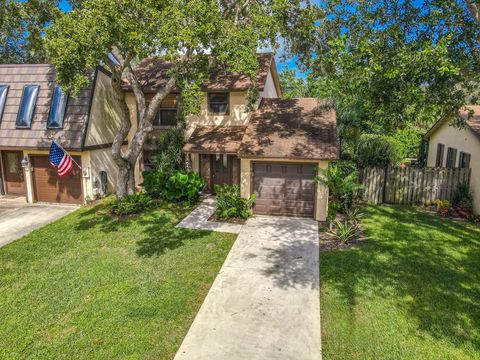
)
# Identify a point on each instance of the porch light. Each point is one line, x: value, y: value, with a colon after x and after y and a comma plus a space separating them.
x: 25, y: 162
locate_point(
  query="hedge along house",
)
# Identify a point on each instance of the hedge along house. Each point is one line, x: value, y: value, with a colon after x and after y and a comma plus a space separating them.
x: 33, y: 112
x: 452, y: 147
x: 273, y: 151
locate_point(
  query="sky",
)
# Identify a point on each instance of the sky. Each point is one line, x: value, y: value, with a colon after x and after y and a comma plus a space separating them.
x: 282, y: 65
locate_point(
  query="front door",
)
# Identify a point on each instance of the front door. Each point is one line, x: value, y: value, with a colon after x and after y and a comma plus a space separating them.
x: 13, y: 172
x: 221, y: 169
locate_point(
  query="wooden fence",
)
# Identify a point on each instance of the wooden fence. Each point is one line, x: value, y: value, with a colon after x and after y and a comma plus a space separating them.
x: 410, y: 185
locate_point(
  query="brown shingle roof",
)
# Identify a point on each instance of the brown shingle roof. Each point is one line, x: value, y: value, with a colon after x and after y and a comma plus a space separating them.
x: 152, y: 75
x: 38, y: 136
x: 215, y: 139
x: 474, y: 120
x: 294, y: 129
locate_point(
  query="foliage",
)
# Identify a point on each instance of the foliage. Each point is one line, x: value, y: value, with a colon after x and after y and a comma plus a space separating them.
x: 392, y: 65
x: 378, y: 150
x: 408, y: 141
x: 345, y: 231
x: 177, y: 186
x: 230, y: 203
x: 292, y: 85
x: 463, y: 196
x: 100, y: 279
x: 342, y: 182
x: 416, y: 268
x: 132, y: 204
x: 444, y: 207
x: 354, y: 214
x: 183, y: 186
x: 22, y: 26
x: 169, y: 155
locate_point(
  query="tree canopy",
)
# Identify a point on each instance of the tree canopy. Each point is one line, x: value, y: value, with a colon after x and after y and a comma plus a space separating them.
x: 22, y: 29
x: 396, y: 64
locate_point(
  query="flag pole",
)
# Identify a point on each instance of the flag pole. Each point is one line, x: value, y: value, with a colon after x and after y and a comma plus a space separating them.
x: 66, y: 152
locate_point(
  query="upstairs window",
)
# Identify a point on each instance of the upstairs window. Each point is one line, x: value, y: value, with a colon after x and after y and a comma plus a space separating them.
x: 27, y: 106
x: 440, y: 152
x: 168, y: 112
x: 464, y: 160
x: 57, y: 110
x: 451, y: 158
x: 218, y: 103
x: 3, y: 98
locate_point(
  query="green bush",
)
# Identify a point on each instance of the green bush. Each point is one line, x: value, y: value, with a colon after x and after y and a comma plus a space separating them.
x: 169, y: 155
x: 408, y: 142
x: 177, y: 187
x: 342, y: 182
x: 378, y: 150
x: 183, y: 186
x: 154, y: 182
x: 230, y: 203
x: 132, y: 204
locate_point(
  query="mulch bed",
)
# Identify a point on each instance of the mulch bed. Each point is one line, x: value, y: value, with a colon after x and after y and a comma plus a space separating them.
x: 214, y: 218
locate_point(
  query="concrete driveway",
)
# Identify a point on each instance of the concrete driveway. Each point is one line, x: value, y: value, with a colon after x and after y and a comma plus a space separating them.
x: 265, y: 302
x: 17, y: 218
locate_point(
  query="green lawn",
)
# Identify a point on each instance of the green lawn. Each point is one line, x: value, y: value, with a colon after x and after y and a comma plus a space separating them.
x: 90, y: 287
x: 411, y: 292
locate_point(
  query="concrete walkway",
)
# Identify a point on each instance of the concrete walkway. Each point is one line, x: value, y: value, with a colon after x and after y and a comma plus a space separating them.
x: 265, y: 302
x: 198, y: 219
x: 17, y: 218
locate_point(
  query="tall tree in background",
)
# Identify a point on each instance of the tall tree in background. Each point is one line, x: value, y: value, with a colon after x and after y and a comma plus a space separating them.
x: 22, y: 29
x: 195, y: 35
x: 396, y: 64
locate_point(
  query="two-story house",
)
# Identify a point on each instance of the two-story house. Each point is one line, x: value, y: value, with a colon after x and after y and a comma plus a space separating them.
x: 273, y: 151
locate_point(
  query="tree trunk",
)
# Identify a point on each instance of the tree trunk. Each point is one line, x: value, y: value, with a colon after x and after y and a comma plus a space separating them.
x: 125, y: 184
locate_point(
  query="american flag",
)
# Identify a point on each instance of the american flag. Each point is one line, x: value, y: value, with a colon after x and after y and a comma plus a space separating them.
x: 60, y: 159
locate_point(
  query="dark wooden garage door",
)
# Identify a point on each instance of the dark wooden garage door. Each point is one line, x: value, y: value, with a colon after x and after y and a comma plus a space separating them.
x: 50, y: 187
x: 284, y: 189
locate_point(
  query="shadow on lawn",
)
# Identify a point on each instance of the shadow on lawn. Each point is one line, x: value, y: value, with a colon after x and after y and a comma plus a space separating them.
x: 432, y: 262
x: 154, y: 231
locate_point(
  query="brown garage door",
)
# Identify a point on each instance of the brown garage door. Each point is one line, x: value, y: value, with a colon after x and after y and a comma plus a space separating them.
x: 50, y: 187
x: 284, y: 189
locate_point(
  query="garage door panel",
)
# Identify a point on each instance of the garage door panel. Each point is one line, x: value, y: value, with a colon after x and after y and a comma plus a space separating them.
x: 284, y: 189
x: 50, y: 187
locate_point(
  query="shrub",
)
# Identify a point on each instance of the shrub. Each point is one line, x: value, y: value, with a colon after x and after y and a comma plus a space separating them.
x: 154, y: 182
x: 444, y: 207
x: 378, y: 150
x: 169, y: 155
x: 342, y: 181
x: 132, y: 204
x: 345, y: 231
x: 408, y: 142
x: 462, y: 197
x: 230, y: 203
x: 183, y: 186
x: 178, y: 186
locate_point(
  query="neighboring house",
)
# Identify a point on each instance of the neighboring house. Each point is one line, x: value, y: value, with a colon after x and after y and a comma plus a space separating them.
x: 273, y: 151
x: 33, y: 111
x: 453, y: 147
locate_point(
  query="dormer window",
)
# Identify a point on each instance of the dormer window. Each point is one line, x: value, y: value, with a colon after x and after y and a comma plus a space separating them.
x: 218, y: 103
x: 57, y: 110
x: 27, y: 106
x: 3, y: 99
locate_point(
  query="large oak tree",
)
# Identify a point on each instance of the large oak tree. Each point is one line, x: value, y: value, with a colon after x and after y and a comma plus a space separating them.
x: 195, y: 35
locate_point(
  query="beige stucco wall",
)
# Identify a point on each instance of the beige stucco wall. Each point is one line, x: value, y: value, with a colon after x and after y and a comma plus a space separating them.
x: 238, y: 114
x: 462, y: 140
x: 104, y: 119
x: 321, y: 200
x: 269, y: 91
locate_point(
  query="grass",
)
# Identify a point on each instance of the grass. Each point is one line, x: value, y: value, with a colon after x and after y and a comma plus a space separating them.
x: 411, y: 292
x: 91, y: 287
